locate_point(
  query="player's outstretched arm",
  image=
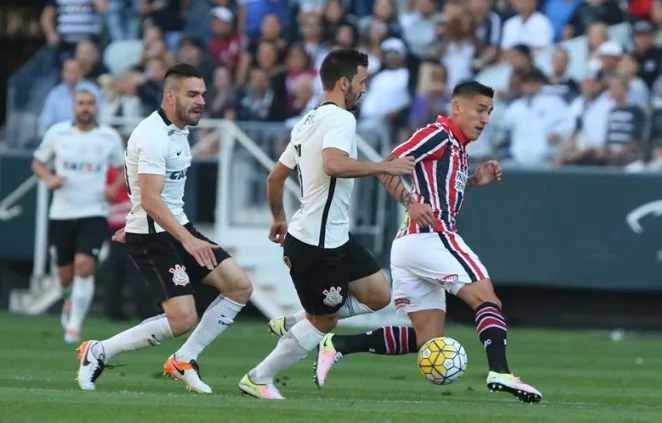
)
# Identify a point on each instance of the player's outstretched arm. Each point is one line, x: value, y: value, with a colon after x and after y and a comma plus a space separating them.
x: 338, y: 164
x: 275, y: 188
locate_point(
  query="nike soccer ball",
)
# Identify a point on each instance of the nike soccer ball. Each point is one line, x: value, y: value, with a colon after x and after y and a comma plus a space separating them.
x: 442, y: 360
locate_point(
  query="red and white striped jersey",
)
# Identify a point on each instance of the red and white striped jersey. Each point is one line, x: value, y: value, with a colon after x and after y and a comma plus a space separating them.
x: 440, y: 174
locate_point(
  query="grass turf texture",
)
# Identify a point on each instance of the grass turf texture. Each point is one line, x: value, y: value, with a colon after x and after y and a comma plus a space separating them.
x: 585, y: 377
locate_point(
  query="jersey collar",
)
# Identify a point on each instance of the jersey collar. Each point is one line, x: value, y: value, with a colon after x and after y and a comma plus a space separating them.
x: 169, y: 124
x: 454, y: 131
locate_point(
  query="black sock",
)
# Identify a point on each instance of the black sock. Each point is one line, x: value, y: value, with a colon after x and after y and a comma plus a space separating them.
x: 388, y: 340
x: 493, y: 333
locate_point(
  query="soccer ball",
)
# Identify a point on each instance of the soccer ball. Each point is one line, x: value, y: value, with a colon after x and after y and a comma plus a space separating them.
x: 442, y: 360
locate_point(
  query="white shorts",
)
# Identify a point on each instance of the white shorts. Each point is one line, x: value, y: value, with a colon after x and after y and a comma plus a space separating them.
x: 425, y: 266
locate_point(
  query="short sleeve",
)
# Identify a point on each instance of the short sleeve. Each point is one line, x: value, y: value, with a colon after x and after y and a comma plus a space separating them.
x: 117, y: 152
x: 341, y: 133
x: 289, y: 158
x: 423, y: 143
x: 152, y: 156
x: 46, y: 150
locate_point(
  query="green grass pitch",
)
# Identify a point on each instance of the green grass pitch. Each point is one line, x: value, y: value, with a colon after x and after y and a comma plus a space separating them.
x: 584, y: 376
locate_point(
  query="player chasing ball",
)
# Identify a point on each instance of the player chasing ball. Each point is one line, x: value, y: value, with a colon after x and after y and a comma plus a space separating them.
x: 334, y: 275
x: 169, y: 252
x: 428, y: 256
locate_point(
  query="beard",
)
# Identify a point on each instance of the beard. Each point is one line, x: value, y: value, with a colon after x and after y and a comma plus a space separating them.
x: 85, y: 119
x: 183, y: 114
x: 352, y: 100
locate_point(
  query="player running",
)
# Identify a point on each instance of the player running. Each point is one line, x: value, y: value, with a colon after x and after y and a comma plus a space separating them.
x: 82, y: 151
x: 169, y: 252
x: 428, y: 256
x: 334, y: 275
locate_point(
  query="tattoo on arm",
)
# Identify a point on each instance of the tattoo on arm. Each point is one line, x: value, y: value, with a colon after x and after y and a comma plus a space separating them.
x: 396, y: 187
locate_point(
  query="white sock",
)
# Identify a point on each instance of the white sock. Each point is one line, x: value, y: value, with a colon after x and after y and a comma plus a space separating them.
x: 353, y: 307
x: 151, y: 332
x: 292, y: 347
x: 219, y: 315
x: 294, y: 319
x: 81, y: 297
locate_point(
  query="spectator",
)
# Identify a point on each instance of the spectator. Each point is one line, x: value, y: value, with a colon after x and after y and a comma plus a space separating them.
x: 120, y: 99
x: 258, y: 101
x: 67, y: 22
x: 419, y: 27
x: 87, y: 57
x: 190, y: 52
x: 122, y: 19
x: 656, y: 19
x: 638, y: 92
x: 305, y: 98
x: 334, y: 16
x: 346, y: 37
x: 227, y: 45
x: 559, y: 13
x: 460, y: 48
x: 312, y: 38
x: 251, y: 13
x: 590, y: 113
x: 270, y: 30
x: 155, y: 49
x: 373, y: 45
x: 388, y: 94
x: 432, y: 98
x: 647, y: 54
x: 596, y: 36
x: 590, y: 12
x: 166, y: 15
x: 298, y: 65
x: 625, y: 126
x: 58, y: 106
x: 538, y: 122
x: 383, y: 12
x: 222, y: 99
x: 488, y: 33
x: 528, y: 27
x: 561, y: 84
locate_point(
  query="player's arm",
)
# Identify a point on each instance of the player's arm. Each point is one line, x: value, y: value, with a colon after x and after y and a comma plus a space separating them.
x: 337, y: 145
x: 42, y: 156
x: 275, y: 189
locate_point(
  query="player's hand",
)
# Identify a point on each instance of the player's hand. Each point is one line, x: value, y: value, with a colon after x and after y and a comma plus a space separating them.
x: 422, y: 214
x: 487, y: 172
x: 111, y: 193
x: 119, y: 236
x: 55, y: 182
x: 278, y: 231
x: 202, y: 251
x: 399, y: 167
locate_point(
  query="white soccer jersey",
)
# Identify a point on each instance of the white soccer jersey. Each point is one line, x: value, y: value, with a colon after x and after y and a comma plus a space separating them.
x: 157, y: 147
x: 82, y: 158
x: 323, y: 219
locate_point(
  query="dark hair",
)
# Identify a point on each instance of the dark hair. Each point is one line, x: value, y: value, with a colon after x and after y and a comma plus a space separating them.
x: 183, y: 70
x: 472, y: 88
x: 341, y: 63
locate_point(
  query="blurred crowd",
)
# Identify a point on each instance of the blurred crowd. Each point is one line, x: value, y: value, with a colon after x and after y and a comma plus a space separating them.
x: 260, y: 60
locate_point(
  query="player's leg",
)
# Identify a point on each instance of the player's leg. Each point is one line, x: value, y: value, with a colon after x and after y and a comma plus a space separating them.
x: 369, y: 289
x: 63, y: 242
x: 155, y: 255
x: 474, y: 287
x: 91, y: 233
x: 235, y: 290
x: 321, y: 281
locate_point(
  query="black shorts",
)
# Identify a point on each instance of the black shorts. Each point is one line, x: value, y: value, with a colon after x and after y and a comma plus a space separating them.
x: 72, y: 236
x: 322, y: 276
x: 169, y: 270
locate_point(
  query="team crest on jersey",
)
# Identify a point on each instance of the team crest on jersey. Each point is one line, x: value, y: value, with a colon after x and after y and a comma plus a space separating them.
x: 170, y: 132
x: 179, y: 275
x: 461, y: 181
x: 332, y: 296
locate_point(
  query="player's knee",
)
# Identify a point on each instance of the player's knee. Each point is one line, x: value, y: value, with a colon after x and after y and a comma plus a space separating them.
x: 324, y: 323
x: 379, y: 300
x: 240, y: 291
x: 479, y: 293
x: 182, y: 322
x: 83, y: 266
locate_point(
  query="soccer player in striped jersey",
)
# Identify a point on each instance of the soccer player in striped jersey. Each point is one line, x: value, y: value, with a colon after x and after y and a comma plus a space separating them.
x: 428, y: 256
